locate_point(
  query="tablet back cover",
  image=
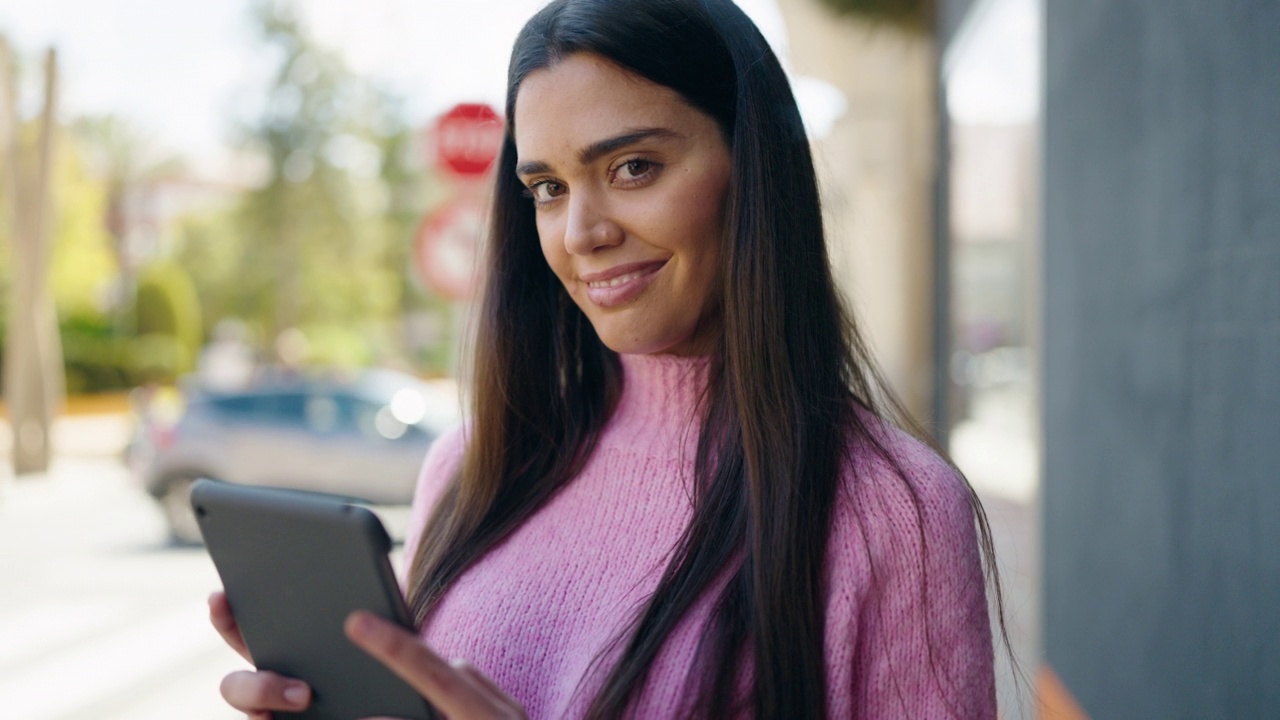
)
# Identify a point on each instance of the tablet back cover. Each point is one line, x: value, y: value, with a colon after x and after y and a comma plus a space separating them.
x: 294, y: 566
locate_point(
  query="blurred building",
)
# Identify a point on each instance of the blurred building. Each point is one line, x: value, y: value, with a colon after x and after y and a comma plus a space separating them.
x: 992, y: 231
x: 151, y: 205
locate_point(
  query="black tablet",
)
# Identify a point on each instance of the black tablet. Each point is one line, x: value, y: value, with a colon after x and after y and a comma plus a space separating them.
x: 294, y: 565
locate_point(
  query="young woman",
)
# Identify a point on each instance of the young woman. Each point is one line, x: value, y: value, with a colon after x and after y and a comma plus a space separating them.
x: 680, y: 493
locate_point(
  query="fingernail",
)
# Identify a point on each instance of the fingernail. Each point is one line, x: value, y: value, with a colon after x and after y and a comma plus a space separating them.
x: 295, y: 693
x: 358, y: 624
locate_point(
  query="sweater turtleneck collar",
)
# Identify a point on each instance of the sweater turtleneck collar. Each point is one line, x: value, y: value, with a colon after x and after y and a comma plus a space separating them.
x: 662, y: 395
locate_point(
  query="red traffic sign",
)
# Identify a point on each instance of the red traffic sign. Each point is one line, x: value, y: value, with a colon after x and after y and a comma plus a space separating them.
x: 447, y: 247
x: 468, y: 139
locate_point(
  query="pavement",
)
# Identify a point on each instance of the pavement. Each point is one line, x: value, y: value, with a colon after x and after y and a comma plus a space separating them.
x: 99, y: 618
x: 997, y: 449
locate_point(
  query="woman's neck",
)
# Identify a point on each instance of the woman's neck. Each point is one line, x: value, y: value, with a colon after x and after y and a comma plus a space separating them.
x: 662, y: 395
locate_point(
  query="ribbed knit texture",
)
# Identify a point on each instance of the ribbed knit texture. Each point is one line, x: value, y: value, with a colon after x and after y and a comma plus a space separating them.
x: 536, y: 611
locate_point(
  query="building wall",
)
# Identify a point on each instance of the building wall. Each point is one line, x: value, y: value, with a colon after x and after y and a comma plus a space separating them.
x: 1162, y: 356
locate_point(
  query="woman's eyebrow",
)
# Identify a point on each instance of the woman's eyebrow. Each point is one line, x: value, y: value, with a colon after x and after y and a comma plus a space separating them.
x: 595, y: 150
x: 592, y: 152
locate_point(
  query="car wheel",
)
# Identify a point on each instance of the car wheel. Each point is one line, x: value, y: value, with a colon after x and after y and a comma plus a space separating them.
x: 176, y: 501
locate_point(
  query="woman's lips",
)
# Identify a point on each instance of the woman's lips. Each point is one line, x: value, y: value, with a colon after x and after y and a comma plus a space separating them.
x: 619, y: 285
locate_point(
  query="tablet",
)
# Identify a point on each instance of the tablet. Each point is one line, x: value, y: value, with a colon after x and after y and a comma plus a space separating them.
x: 294, y: 565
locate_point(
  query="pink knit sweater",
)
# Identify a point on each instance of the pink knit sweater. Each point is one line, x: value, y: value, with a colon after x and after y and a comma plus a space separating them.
x: 536, y: 610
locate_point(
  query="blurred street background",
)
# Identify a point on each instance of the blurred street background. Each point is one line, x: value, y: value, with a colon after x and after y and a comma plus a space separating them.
x: 101, y: 616
x: 250, y: 199
x: 240, y: 236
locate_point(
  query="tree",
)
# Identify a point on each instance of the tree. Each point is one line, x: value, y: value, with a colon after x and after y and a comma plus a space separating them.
x: 86, y: 262
x: 123, y: 159
x: 320, y: 245
x: 914, y: 15
x: 33, y: 378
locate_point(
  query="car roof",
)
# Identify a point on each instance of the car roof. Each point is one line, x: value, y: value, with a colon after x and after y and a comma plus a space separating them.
x: 376, y: 385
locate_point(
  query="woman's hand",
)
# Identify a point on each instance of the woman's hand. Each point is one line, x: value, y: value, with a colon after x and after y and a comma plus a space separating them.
x: 225, y: 623
x: 254, y: 693
x: 457, y: 689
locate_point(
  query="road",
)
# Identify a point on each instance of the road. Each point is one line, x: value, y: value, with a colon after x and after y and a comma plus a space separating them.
x: 99, y: 618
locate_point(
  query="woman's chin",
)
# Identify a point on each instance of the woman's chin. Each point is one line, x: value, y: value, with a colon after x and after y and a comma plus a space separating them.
x: 630, y: 345
x: 683, y: 345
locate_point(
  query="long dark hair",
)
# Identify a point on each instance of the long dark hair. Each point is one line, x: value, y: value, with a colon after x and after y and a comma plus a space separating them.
x: 788, y: 387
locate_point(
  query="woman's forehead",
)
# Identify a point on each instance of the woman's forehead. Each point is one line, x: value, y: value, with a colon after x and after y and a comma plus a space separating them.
x: 584, y: 99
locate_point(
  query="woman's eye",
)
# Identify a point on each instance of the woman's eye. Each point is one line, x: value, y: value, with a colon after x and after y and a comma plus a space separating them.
x: 634, y: 170
x: 544, y: 191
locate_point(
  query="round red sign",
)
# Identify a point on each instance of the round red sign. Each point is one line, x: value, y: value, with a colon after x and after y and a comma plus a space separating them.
x: 447, y: 247
x: 468, y: 138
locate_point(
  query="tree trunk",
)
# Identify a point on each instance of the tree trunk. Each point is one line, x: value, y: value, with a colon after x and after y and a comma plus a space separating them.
x: 33, y: 381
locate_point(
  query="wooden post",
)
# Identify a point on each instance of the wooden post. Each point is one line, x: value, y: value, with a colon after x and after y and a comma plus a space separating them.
x: 33, y: 382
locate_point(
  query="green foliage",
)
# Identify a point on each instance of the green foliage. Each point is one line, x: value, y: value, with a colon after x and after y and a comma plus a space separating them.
x: 167, y: 321
x: 99, y: 357
x: 82, y: 269
x: 343, y: 346
x: 83, y: 265
x: 4, y: 334
x: 913, y: 15
x: 158, y: 357
x: 323, y: 243
x: 95, y: 355
x: 210, y: 247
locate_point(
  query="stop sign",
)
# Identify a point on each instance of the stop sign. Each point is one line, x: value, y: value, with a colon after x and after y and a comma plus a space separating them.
x: 468, y: 139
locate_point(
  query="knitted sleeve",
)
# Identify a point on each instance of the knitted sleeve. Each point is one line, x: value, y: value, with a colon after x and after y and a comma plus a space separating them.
x: 921, y: 637
x: 438, y: 468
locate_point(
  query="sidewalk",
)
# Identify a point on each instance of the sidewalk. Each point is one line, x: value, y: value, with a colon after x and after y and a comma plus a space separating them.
x: 77, y: 435
x: 997, y: 450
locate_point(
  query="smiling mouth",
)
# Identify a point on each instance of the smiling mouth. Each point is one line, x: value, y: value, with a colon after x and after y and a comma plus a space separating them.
x: 607, y: 289
x: 620, y: 280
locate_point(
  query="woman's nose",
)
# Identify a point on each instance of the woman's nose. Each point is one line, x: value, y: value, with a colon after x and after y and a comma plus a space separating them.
x: 589, y: 226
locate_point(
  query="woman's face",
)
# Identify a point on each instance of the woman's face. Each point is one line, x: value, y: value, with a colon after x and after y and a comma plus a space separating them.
x: 628, y: 184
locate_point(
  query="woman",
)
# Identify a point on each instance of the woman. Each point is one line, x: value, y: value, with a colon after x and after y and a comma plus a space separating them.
x: 679, y: 494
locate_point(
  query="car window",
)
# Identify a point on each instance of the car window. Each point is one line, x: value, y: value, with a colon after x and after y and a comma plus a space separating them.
x: 324, y: 414
x: 328, y: 413
x: 319, y: 412
x: 374, y: 420
x: 364, y: 415
x: 272, y: 408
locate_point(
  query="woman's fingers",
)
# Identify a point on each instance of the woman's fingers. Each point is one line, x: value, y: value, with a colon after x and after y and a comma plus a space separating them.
x: 225, y: 623
x: 472, y: 673
x: 254, y: 693
x: 257, y: 693
x: 461, y: 693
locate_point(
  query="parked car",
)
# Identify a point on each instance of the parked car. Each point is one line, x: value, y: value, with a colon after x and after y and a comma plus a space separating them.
x: 362, y: 438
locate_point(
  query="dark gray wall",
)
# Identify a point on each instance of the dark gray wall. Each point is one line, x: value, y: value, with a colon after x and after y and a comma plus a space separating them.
x: 1162, y: 356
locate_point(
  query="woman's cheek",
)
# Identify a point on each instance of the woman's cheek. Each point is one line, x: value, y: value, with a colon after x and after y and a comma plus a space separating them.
x: 552, y: 249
